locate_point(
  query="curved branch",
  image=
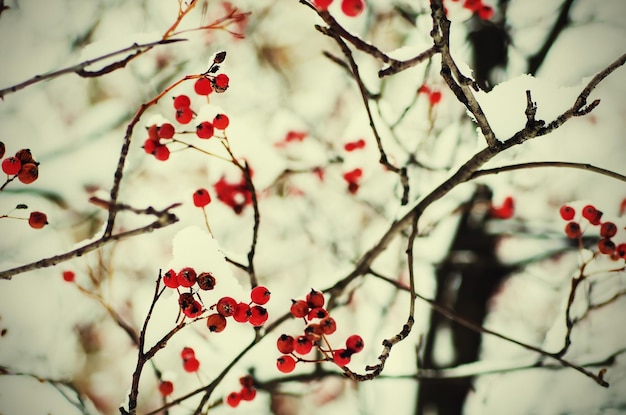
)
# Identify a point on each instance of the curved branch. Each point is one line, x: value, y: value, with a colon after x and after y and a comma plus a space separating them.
x: 535, y: 164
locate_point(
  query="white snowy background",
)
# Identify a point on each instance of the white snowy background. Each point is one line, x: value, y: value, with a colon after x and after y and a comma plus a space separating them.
x: 312, y: 231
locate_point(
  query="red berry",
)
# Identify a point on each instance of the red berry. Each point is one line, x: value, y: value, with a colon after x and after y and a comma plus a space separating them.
x: 37, y: 220
x: 354, y: 343
x: 191, y: 364
x: 221, y: 81
x: 606, y: 246
x: 11, y: 166
x: 170, y: 279
x: 166, y: 130
x: 353, y: 175
x: 260, y: 295
x: 187, y: 353
x: 186, y: 277
x: 434, y: 98
x: 473, y: 5
x: 221, y: 121
x: 181, y: 101
x: 233, y: 399
x: 166, y: 388
x: 620, y: 250
x: 341, y: 357
x: 204, y: 130
x: 150, y: 145
x: 286, y: 363
x: 242, y: 313
x: 226, y: 306
x: 592, y: 214
x: 572, y: 230
x: 216, y: 322
x: 608, y: 230
x: 285, y: 344
x: 322, y: 4
x: 206, y: 281
x: 247, y: 382
x: 2, y: 149
x: 184, y: 115
x: 567, y: 212
x: 328, y: 325
x: 315, y: 299
x: 302, y: 345
x: 25, y: 156
x: 203, y: 86
x: 69, y: 276
x: 28, y: 173
x: 313, y: 332
x: 161, y: 152
x: 352, y: 8
x: 258, y: 315
x: 505, y: 211
x: 485, y: 12
x: 201, y: 198
x: 299, y: 308
x: 194, y: 310
x: 153, y: 132
x: 247, y: 394
x: 317, y: 312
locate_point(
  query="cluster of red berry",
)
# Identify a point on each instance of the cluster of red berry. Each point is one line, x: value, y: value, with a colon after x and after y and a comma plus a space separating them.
x: 608, y: 230
x: 433, y: 96
x: 159, y: 136
x: 22, y: 166
x: 246, y: 393
x: 351, y: 8
x: 484, y: 11
x: 354, y: 145
x: 234, y: 194
x: 319, y: 324
x: 242, y: 312
x: 291, y: 136
x: 505, y: 210
x: 353, y: 177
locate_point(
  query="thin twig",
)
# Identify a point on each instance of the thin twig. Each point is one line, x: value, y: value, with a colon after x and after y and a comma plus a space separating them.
x: 536, y: 164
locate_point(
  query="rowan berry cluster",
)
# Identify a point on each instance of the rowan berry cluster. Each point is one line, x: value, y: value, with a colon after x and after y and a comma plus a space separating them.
x: 160, y: 136
x: 483, y: 11
x: 246, y: 393
x: 319, y: 325
x: 191, y: 305
x: 350, y: 8
x: 607, y: 229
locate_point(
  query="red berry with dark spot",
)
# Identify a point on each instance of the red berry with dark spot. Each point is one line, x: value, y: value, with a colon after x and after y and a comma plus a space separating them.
x: 150, y: 145
x: 226, y: 306
x: 184, y: 115
x: 317, y: 312
x: 313, y: 332
x: 221, y: 81
x: 201, y: 198
x: 286, y: 364
x: 28, y: 173
x: 328, y: 325
x: 37, y: 220
x: 342, y: 357
x: 608, y: 230
x: 247, y: 382
x: 205, y: 130
x: 194, y: 310
x: 166, y: 130
x: 221, y: 121
x: 285, y: 344
x: 233, y: 399
x: 258, y: 315
x: 592, y: 214
x: 567, y: 212
x: 206, y: 281
x: 170, y: 279
x: 247, y: 394
x: 216, y: 322
x: 242, y: 313
x: 260, y: 295
x: 11, y: 166
x: 299, y: 308
x: 354, y: 343
x: 161, y: 152
x: 302, y: 345
x: 186, y: 277
x: 620, y: 250
x: 315, y: 299
x: 572, y: 230
x: 606, y: 246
